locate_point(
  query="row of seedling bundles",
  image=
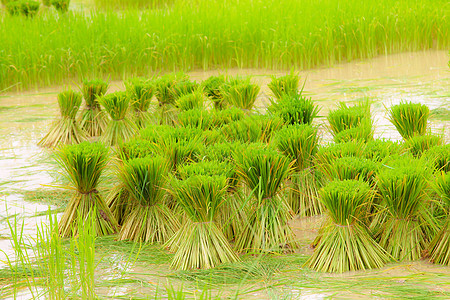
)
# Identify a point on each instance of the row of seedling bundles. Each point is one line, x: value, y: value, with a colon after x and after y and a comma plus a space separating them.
x: 211, y: 182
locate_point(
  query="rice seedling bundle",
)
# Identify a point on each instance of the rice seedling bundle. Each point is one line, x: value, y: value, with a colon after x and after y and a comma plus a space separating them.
x: 345, y: 117
x: 166, y: 95
x: 346, y: 245
x: 190, y: 101
x: 196, y: 118
x: 26, y: 8
x: 418, y: 144
x: 362, y: 132
x: 328, y: 153
x: 439, y: 156
x: 212, y: 87
x: 295, y: 109
x: 240, y: 93
x: 403, y: 191
x: 378, y: 150
x: 357, y: 168
x: 269, y: 126
x: 201, y: 244
x: 65, y: 130
x: 299, y: 143
x: 140, y: 92
x: 226, y: 116
x: 439, y: 248
x: 149, y: 220
x: 246, y: 130
x: 61, y: 6
x: 93, y: 120
x: 284, y: 85
x: 264, y: 171
x: 120, y: 128
x: 212, y: 136
x: 409, y: 118
x: 84, y: 164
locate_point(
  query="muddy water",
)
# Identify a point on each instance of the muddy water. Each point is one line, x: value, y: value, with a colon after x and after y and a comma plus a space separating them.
x: 24, y: 119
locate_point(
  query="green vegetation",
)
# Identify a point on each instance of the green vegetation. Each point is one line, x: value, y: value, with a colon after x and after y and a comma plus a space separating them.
x: 180, y: 37
x: 409, y: 118
x: 93, y: 120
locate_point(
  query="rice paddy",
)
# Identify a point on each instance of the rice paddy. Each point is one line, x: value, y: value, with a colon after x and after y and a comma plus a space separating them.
x: 226, y: 183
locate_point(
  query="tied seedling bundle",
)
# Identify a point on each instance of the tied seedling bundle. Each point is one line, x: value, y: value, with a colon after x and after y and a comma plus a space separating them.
x: 419, y: 144
x: 409, y: 118
x: 346, y: 117
x: 264, y: 170
x: 120, y: 127
x: 362, y: 132
x: 84, y: 164
x: 295, y: 109
x: 93, y: 120
x: 196, y: 118
x: 65, y: 129
x: 439, y: 248
x: 150, y: 220
x: 300, y: 143
x: 284, y: 85
x: 200, y: 243
x: 403, y: 190
x: 212, y: 88
x: 240, y: 93
x: 439, y: 157
x: 140, y: 91
x: 346, y: 244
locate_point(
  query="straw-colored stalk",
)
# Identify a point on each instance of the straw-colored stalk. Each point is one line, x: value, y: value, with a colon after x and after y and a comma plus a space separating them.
x: 120, y: 127
x: 93, y: 119
x: 345, y: 244
x: 84, y: 164
x: 409, y: 118
x: 118, y: 201
x: 65, y: 130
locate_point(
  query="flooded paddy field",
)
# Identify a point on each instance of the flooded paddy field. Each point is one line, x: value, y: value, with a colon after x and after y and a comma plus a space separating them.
x: 30, y: 190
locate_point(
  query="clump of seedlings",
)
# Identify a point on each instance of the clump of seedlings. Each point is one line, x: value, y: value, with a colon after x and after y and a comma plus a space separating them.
x: 65, y: 130
x: 149, y: 220
x: 84, y: 164
x: 240, y: 93
x: 25, y: 8
x: 120, y: 127
x: 212, y: 87
x: 61, y: 6
x: 201, y: 244
x: 295, y: 109
x: 264, y: 170
x: 418, y: 144
x: 196, y: 118
x: 345, y: 244
x: 346, y: 117
x: 362, y: 132
x: 93, y: 120
x: 166, y: 95
x: 409, y: 118
x: 357, y: 168
x: 284, y: 85
x: 379, y: 150
x: 140, y: 92
x: 193, y: 100
x: 300, y: 143
x: 439, y: 156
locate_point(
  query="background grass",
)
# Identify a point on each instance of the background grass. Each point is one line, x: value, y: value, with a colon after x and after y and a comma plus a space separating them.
x: 195, y: 34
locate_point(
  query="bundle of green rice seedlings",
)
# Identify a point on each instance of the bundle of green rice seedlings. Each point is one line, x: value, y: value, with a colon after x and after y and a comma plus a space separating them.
x: 84, y: 164
x: 269, y: 124
x: 439, y: 248
x: 150, y: 220
x: 62, y: 6
x: 362, y: 132
x: 65, y: 130
x: 93, y: 120
x: 418, y: 144
x: 166, y: 95
x: 345, y: 117
x: 140, y: 92
x: 284, y: 85
x: 439, y: 156
x: 247, y: 130
x: 409, y: 118
x: 403, y: 189
x: 226, y: 116
x: 23, y: 7
x: 327, y: 154
x: 195, y: 118
x: 118, y: 199
x: 213, y: 136
x: 190, y: 101
x: 120, y: 128
x: 212, y: 87
x: 295, y: 109
x: 184, y: 86
x: 264, y: 171
x: 300, y: 143
x: 379, y: 150
x: 346, y: 245
x: 201, y: 244
x: 240, y: 93
x: 357, y: 168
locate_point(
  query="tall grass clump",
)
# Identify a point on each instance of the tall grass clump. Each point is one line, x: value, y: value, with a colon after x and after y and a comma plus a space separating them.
x: 284, y: 85
x: 295, y: 109
x: 346, y: 117
x: 150, y: 220
x: 240, y: 93
x: 140, y: 91
x: 419, y: 144
x: 403, y: 190
x: 212, y: 88
x: 132, y: 4
x: 84, y: 164
x: 409, y: 118
x: 439, y: 248
x: 346, y: 244
x: 65, y: 130
x: 300, y: 143
x: 120, y: 128
x: 264, y: 171
x: 92, y: 119
x: 202, y: 244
